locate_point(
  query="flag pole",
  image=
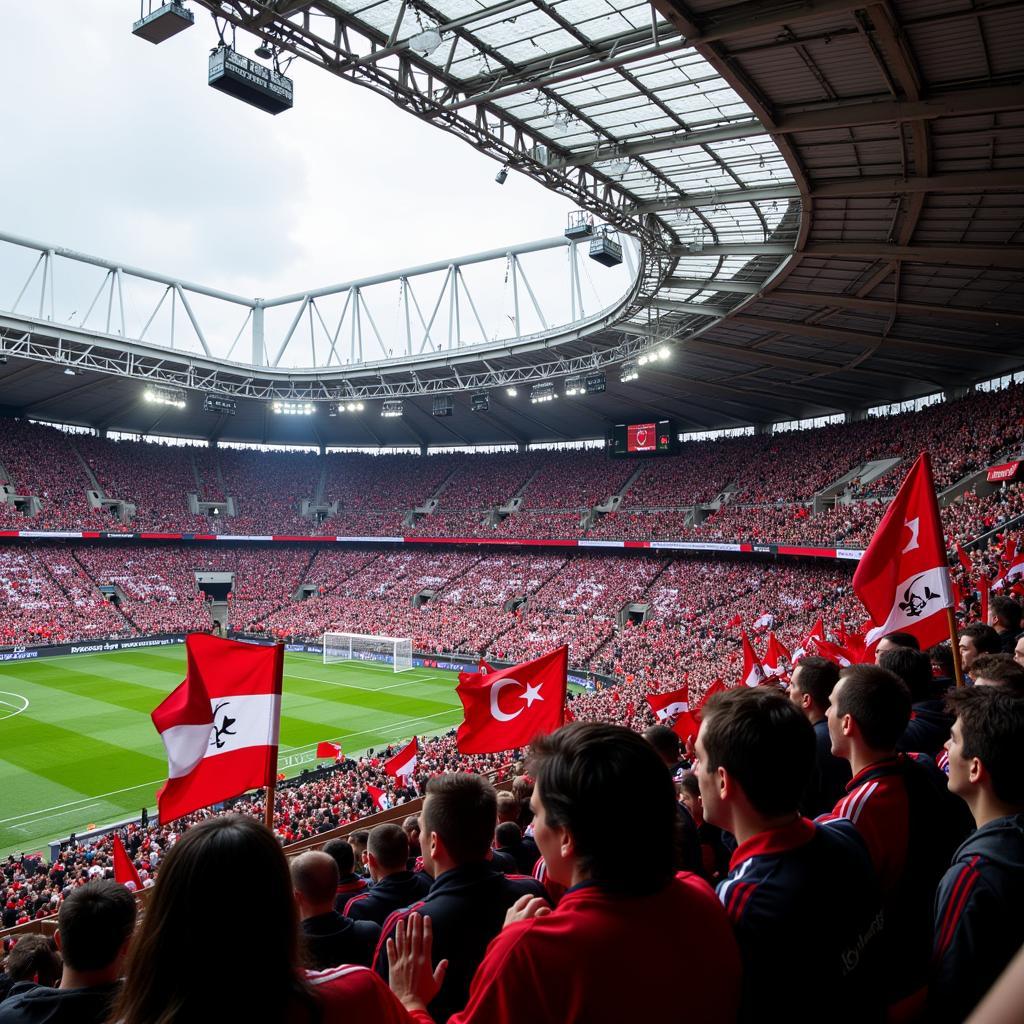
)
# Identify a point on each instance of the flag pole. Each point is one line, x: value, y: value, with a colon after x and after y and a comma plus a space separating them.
x: 958, y: 668
x: 268, y: 818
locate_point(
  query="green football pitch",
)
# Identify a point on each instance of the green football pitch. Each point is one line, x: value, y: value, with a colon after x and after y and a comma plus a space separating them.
x: 77, y: 745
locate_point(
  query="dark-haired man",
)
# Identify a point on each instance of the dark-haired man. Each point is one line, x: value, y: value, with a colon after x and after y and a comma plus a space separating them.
x: 94, y: 925
x: 609, y: 951
x: 810, y: 689
x: 896, y: 641
x: 756, y: 754
x: 901, y: 807
x: 928, y: 728
x: 975, y: 640
x: 470, y: 896
x: 978, y: 920
x: 1005, y: 614
x: 999, y: 670
x: 665, y: 744
x: 349, y: 883
x: 394, y: 885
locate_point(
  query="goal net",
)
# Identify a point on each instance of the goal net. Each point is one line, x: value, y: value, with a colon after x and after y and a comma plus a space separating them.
x: 383, y: 650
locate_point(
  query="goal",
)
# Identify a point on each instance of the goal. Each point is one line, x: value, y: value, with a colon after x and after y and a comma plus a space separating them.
x: 393, y: 650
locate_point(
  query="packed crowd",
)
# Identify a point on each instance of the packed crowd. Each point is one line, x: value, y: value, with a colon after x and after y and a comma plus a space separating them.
x: 767, y: 482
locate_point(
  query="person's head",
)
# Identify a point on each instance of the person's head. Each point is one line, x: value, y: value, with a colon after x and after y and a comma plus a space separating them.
x: 913, y: 667
x: 509, y: 808
x: 358, y: 841
x: 665, y: 743
x: 986, y: 747
x: 94, y: 925
x: 1005, y: 614
x: 35, y: 958
x: 222, y: 910
x: 869, y: 713
x: 975, y: 639
x: 507, y: 834
x: 411, y: 827
x: 894, y: 641
x: 458, y: 818
x: 1018, y: 651
x: 314, y: 882
x: 690, y: 795
x: 810, y: 687
x: 941, y: 657
x: 999, y: 670
x: 756, y: 754
x: 340, y: 850
x: 580, y: 772
x: 387, y: 850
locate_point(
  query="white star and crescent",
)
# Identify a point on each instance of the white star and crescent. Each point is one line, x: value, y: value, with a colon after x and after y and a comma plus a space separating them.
x: 531, y: 694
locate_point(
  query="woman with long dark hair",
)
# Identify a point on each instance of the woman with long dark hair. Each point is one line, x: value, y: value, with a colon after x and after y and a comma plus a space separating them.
x: 220, y: 942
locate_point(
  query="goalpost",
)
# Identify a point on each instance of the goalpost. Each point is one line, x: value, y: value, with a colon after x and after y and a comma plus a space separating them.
x: 362, y: 647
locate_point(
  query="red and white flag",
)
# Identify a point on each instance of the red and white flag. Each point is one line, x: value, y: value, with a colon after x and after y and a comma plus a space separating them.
x: 125, y: 872
x: 903, y: 577
x: 716, y: 687
x: 507, y: 708
x: 403, y: 764
x: 484, y: 668
x: 330, y: 750
x: 1011, y: 571
x: 775, y: 656
x: 753, y: 670
x: 671, y: 704
x: 834, y: 652
x: 686, y: 726
x: 220, y: 726
x: 379, y: 798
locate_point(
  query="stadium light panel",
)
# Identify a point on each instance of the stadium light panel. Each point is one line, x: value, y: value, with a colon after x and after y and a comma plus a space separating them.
x: 544, y: 392
x: 574, y: 386
x: 293, y: 408
x: 511, y: 392
x: 157, y: 394
x: 629, y: 371
x: 392, y: 408
x: 350, y: 407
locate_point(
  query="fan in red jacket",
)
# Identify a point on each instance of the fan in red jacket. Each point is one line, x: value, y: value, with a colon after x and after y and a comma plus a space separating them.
x: 614, y: 922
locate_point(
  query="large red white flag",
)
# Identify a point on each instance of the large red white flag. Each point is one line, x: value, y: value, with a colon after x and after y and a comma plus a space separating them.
x: 403, y: 764
x: 327, y: 749
x: 903, y: 577
x: 835, y: 652
x: 753, y: 671
x: 671, y: 704
x: 775, y: 656
x: 505, y: 709
x: 220, y: 726
x: 1011, y: 571
x: 379, y: 798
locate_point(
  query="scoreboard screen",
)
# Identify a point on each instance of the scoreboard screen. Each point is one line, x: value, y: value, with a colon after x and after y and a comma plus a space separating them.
x: 644, y: 438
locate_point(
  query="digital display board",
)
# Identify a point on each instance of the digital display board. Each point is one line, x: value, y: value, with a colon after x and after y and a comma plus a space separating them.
x: 657, y: 438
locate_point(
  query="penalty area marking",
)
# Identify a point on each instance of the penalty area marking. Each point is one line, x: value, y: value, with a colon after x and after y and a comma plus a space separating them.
x: 8, y: 709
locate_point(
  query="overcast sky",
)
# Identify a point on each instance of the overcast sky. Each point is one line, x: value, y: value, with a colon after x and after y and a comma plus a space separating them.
x: 119, y: 148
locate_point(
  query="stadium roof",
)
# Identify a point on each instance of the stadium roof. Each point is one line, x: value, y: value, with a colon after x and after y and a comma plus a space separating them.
x: 828, y: 197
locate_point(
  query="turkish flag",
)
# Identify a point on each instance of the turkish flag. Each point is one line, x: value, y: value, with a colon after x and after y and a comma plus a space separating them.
x: 507, y: 708
x: 753, y: 672
x: 403, y: 764
x: 903, y: 577
x: 379, y: 798
x: 331, y: 750
x: 124, y: 870
x: 671, y: 704
x: 220, y: 726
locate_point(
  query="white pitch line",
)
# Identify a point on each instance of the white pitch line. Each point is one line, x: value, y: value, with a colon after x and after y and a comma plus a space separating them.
x: 353, y: 686
x: 74, y: 804
x: 17, y: 710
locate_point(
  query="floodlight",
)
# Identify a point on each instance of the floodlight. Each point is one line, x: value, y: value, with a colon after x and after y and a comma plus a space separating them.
x: 480, y: 402
x: 159, y: 394
x: 425, y: 42
x: 68, y: 372
x: 293, y: 408
x: 574, y: 386
x: 511, y: 392
x: 543, y: 392
x: 168, y: 20
x: 391, y: 408
x: 264, y: 52
x: 629, y: 371
x: 502, y: 176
